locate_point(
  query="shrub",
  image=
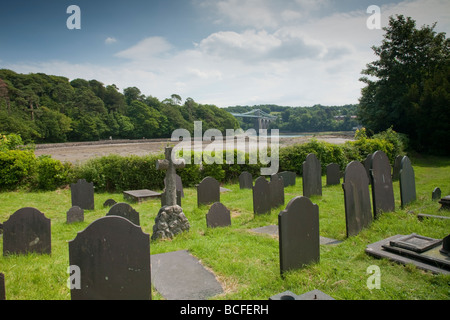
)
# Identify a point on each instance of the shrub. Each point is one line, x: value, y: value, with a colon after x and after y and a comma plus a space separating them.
x: 17, y: 168
x: 52, y: 174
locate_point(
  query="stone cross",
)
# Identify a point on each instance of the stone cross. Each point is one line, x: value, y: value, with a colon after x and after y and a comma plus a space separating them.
x: 170, y: 166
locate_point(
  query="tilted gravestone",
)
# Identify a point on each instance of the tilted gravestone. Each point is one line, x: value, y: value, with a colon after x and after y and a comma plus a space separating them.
x: 261, y: 196
x: 436, y: 194
x: 396, y: 168
x: 407, y: 182
x: 358, y: 210
x: 126, y: 211
x: 299, y: 239
x: 113, y: 257
x: 82, y: 194
x: 75, y: 214
x: 366, y: 163
x: 218, y: 216
x: 27, y: 230
x: 333, y: 174
x: 245, y: 180
x: 381, y: 180
x: 288, y: 178
x: 208, y: 191
x: 276, y: 189
x: 312, y: 176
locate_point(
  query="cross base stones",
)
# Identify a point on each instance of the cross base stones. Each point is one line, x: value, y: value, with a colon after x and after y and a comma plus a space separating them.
x: 169, y: 222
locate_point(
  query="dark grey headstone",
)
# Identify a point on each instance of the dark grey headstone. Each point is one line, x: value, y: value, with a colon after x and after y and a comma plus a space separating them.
x: 27, y: 230
x: 126, y: 211
x: 312, y: 176
x: 218, y: 216
x: 178, y: 183
x: 109, y: 203
x: 261, y: 196
x: 208, y: 191
x: 381, y: 180
x: 82, y: 194
x: 2, y: 287
x: 245, y: 180
x: 299, y: 239
x: 276, y: 187
x: 113, y: 255
x: 445, y: 203
x: 436, y: 194
x: 407, y: 182
x: 358, y: 211
x: 333, y: 174
x: 75, y: 214
x: 288, y: 178
x: 396, y: 168
x: 367, y: 162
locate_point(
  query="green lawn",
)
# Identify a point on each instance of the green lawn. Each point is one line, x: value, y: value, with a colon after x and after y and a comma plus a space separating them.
x: 247, y: 264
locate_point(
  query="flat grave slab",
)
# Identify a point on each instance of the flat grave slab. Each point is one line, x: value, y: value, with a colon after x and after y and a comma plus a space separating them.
x: 273, y: 231
x: 180, y: 276
x: 140, y: 195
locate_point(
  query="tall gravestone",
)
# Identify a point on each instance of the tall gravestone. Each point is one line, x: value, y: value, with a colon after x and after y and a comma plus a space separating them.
x: 407, y: 182
x: 312, y: 176
x: 261, y: 196
x: 333, y: 174
x: 208, y: 191
x: 396, y: 168
x: 113, y: 257
x: 276, y: 189
x: 27, y: 230
x: 358, y: 211
x: 82, y: 194
x: 366, y: 163
x: 245, y: 180
x: 218, y: 216
x: 299, y: 238
x: 126, y: 211
x: 381, y: 179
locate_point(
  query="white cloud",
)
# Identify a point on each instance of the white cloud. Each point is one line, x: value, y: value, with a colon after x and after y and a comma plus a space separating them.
x: 110, y: 40
x: 148, y: 47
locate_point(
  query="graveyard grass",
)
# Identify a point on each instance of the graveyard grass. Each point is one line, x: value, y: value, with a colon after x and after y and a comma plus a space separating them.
x: 246, y: 263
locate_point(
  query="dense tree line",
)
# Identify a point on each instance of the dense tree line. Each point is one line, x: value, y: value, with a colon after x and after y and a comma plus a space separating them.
x: 48, y: 108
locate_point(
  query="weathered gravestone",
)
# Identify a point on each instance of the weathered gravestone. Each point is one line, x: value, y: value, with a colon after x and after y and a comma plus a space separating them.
x: 312, y: 176
x: 436, y: 194
x: 178, y: 183
x: 245, y: 180
x: 126, y: 211
x: 382, y: 190
x: 261, y: 196
x: 2, y: 287
x: 113, y: 257
x: 82, y: 194
x: 75, y: 214
x: 208, y: 191
x: 288, y: 178
x: 299, y: 239
x: 27, y: 230
x: 164, y: 199
x: 367, y: 162
x: 109, y: 203
x: 276, y: 189
x: 218, y: 216
x: 396, y: 168
x: 333, y: 174
x: 407, y: 182
x: 358, y: 211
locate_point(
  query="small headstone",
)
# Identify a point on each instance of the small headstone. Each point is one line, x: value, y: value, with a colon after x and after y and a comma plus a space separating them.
x: 276, y: 188
x: 126, y: 211
x: 109, y: 203
x: 396, y: 168
x: 82, y: 194
x: 445, y: 203
x: 27, y: 230
x: 333, y: 174
x: 312, y: 176
x: 208, y: 191
x: 288, y: 178
x: 436, y: 194
x: 261, y: 196
x: 218, y: 216
x: 358, y: 211
x: 407, y: 182
x: 75, y: 214
x: 299, y: 239
x: 245, y: 180
x: 169, y: 222
x: 382, y: 190
x: 2, y: 287
x: 113, y: 256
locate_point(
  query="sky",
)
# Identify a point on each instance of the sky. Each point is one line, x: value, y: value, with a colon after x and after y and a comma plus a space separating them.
x: 221, y: 52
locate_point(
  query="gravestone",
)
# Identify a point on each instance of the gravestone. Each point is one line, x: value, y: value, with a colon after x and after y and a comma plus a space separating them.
x: 126, y: 211
x: 2, y: 287
x: 381, y: 180
x: 109, y: 203
x: 75, y: 214
x: 82, y: 194
x: 299, y: 239
x: 164, y: 200
x: 366, y: 163
x: 218, y: 216
x: 261, y: 196
x: 396, y: 168
x: 445, y: 203
x: 208, y: 191
x: 27, y: 230
x: 113, y: 256
x: 245, y: 180
x: 358, y: 212
x: 288, y: 178
x: 407, y: 182
x: 312, y: 176
x: 276, y: 189
x: 436, y: 194
x: 178, y: 183
x: 333, y: 174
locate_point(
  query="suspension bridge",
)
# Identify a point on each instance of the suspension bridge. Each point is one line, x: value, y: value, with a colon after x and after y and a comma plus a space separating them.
x: 261, y: 119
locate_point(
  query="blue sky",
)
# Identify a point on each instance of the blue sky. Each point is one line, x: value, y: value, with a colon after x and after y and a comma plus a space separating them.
x: 227, y: 52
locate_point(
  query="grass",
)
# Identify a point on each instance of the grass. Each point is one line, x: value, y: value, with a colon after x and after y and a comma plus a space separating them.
x: 246, y: 263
